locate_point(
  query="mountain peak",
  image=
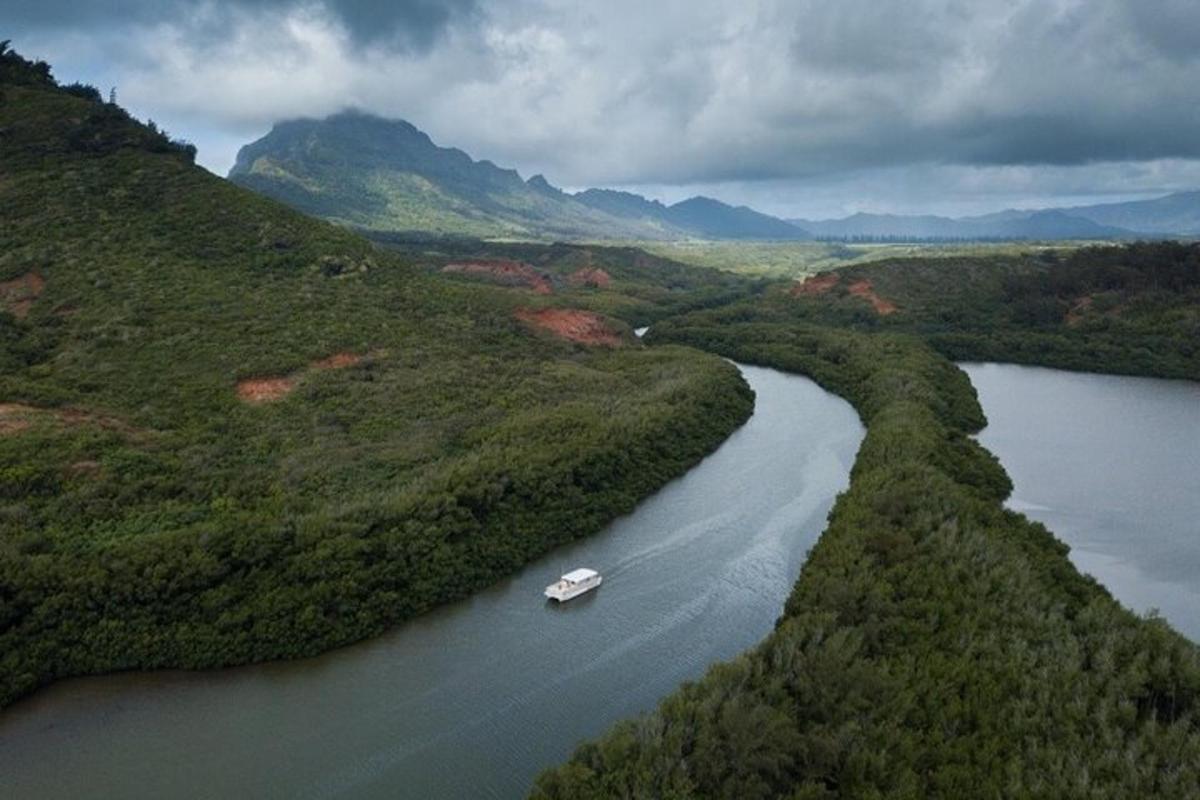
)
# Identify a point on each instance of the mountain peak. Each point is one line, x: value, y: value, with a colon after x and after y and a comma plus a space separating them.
x: 386, y: 174
x: 539, y: 184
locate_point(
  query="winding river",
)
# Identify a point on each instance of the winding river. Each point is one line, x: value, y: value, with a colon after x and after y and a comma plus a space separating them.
x: 473, y: 699
x: 1111, y: 465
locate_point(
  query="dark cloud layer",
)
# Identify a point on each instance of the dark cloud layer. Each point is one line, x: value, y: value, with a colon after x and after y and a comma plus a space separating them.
x: 806, y: 93
x: 403, y: 22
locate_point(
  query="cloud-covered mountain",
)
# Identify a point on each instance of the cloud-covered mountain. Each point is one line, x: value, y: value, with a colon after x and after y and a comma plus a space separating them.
x: 387, y: 175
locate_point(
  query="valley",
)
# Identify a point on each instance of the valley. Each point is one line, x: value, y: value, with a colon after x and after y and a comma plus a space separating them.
x: 338, y: 418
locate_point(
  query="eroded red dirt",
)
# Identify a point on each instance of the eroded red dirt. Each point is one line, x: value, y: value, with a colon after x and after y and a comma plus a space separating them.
x: 16, y: 417
x: 816, y: 284
x: 18, y: 294
x: 865, y: 290
x: 583, y: 327
x: 265, y: 390
x: 337, y: 361
x: 505, y: 272
x: 590, y: 276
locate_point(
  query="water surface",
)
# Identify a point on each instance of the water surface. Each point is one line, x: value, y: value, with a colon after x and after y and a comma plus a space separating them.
x: 1111, y: 465
x: 473, y: 699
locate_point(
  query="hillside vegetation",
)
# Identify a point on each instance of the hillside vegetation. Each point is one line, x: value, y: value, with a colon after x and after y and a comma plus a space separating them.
x: 229, y: 432
x: 1132, y: 309
x: 935, y: 644
x: 625, y: 282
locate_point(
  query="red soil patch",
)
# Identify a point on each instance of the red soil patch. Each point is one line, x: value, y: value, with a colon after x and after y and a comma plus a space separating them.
x: 270, y: 388
x: 16, y: 417
x: 19, y: 293
x: 816, y: 284
x: 264, y: 390
x: 864, y: 290
x: 590, y: 276
x: 504, y: 272
x: 583, y: 327
x: 337, y: 361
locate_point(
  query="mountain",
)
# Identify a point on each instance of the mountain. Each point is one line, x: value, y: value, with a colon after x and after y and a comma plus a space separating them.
x: 715, y: 220
x: 373, y: 173
x: 1174, y: 215
x: 622, y: 204
x: 701, y: 217
x: 1052, y: 224
x: 386, y: 175
x: 882, y: 225
x: 1005, y: 225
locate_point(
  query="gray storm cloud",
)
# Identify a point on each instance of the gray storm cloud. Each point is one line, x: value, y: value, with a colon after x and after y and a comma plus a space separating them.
x: 670, y: 93
x: 402, y: 22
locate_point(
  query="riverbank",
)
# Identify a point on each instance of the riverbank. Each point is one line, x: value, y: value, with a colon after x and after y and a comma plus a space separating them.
x: 935, y: 645
x: 474, y: 698
x: 1110, y: 464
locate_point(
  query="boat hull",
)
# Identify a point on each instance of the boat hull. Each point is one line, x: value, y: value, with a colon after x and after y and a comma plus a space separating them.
x: 561, y: 593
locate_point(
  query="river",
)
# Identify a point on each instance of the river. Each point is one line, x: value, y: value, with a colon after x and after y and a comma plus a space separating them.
x: 473, y: 699
x: 1111, y: 465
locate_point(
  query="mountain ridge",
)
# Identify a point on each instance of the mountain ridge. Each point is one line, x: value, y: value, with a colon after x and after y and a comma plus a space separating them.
x: 1176, y: 214
x: 388, y: 175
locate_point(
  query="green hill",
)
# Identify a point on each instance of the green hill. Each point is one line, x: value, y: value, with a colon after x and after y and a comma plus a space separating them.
x: 230, y: 432
x: 1131, y: 309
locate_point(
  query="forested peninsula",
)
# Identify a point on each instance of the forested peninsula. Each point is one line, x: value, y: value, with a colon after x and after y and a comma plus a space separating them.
x: 935, y: 644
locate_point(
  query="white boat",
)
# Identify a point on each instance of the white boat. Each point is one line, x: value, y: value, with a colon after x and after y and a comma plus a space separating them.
x: 573, y: 584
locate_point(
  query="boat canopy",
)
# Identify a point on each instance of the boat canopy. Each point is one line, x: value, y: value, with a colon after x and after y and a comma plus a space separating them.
x: 578, y: 575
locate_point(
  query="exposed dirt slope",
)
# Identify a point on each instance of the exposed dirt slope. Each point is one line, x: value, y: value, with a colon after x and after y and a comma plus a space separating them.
x: 504, y: 272
x: 584, y: 327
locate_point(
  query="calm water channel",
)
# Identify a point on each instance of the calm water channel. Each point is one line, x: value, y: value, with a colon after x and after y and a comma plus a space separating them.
x: 474, y: 699
x: 1112, y: 466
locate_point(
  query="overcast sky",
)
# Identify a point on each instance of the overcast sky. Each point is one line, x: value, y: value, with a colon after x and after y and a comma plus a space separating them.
x: 797, y: 107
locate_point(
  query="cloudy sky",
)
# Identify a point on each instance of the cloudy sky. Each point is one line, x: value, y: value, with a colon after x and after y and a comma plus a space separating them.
x: 798, y: 107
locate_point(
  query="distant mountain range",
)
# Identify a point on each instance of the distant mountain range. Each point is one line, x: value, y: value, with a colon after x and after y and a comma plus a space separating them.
x: 1173, y: 215
x: 386, y: 175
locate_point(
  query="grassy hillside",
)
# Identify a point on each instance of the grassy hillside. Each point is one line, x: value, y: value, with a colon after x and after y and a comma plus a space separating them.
x: 1132, y: 309
x: 935, y: 644
x: 229, y: 432
x: 795, y: 260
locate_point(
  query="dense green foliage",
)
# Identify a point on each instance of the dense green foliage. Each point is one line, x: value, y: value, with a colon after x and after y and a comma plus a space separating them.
x: 149, y: 517
x: 1133, y: 309
x: 935, y: 644
x: 643, y: 288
